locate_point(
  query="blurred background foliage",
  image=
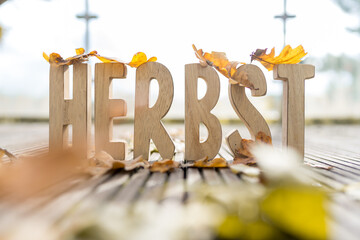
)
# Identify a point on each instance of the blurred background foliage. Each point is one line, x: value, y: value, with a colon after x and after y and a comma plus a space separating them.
x: 334, y: 94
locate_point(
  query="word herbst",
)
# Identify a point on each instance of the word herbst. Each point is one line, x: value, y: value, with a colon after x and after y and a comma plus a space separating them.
x: 147, y: 121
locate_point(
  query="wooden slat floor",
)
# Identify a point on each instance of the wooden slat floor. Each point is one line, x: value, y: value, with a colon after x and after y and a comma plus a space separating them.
x: 329, y: 146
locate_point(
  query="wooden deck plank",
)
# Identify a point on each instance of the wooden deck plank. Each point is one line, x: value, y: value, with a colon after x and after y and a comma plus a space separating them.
x: 211, y: 176
x: 154, y: 187
x: 228, y: 176
x: 129, y: 192
x: 173, y: 187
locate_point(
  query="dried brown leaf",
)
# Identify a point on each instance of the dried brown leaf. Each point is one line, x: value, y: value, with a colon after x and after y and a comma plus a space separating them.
x: 241, y: 78
x: 244, y: 154
x: 220, y: 62
x: 136, y: 163
x: 262, y: 137
x: 102, y: 159
x: 200, y: 55
x: 117, y: 164
x: 246, y: 161
x: 245, y: 149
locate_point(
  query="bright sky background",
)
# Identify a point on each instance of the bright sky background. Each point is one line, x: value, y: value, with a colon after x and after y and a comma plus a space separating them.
x: 165, y: 29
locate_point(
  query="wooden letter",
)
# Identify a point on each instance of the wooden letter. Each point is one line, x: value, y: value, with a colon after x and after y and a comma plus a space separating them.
x: 198, y: 111
x: 253, y: 120
x: 107, y: 108
x: 64, y: 111
x: 147, y: 120
x: 293, y: 116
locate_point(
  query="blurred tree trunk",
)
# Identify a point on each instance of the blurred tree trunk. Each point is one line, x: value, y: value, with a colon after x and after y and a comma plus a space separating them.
x: 2, y: 1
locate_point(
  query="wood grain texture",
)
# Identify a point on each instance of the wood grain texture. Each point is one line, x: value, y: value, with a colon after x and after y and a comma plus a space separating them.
x: 198, y: 111
x: 251, y: 117
x: 293, y: 111
x: 107, y: 108
x: 147, y: 122
x: 64, y: 111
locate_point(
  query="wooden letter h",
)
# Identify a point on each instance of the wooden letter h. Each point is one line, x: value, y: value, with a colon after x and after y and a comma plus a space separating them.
x: 65, y: 111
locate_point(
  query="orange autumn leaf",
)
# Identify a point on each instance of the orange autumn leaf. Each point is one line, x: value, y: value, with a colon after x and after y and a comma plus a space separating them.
x: 220, y: 62
x: 287, y: 56
x: 206, y: 163
x: 164, y: 165
x: 140, y: 58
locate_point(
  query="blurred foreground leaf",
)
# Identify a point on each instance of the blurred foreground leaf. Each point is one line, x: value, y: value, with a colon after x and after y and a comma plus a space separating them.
x: 298, y: 210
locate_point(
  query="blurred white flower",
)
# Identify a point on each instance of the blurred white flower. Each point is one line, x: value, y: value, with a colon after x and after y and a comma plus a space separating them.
x: 280, y: 165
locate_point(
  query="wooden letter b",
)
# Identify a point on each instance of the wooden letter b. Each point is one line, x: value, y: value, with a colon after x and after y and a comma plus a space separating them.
x: 198, y: 111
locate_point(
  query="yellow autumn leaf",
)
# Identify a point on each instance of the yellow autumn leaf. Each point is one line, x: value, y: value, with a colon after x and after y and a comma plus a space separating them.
x: 56, y: 58
x: 152, y: 59
x: 287, y: 56
x: 106, y: 59
x: 80, y: 51
x: 46, y: 57
x: 102, y: 58
x: 140, y: 58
